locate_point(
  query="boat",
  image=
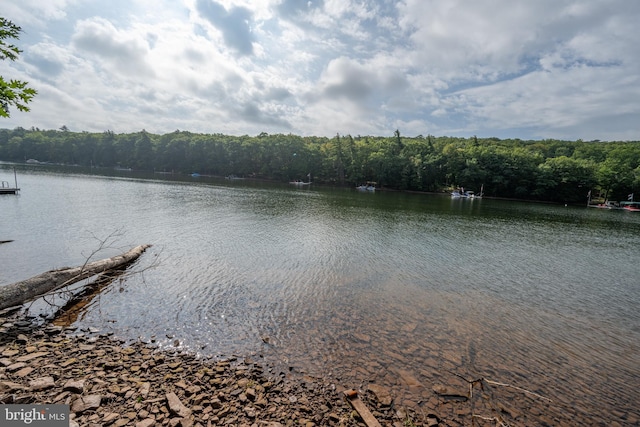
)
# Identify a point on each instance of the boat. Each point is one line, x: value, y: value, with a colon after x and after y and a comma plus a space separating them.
x: 232, y: 177
x: 369, y: 186
x: 606, y: 205
x: 462, y: 194
x: 630, y: 206
x: 299, y: 182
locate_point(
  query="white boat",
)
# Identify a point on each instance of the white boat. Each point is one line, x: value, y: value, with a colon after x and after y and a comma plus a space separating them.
x: 462, y: 194
x: 606, y: 205
x: 366, y: 188
x: 300, y: 183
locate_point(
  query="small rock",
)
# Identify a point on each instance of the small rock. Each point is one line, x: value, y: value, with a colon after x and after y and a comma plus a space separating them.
x: 86, y: 403
x: 176, y: 406
x: 74, y: 386
x: 69, y: 362
x: 382, y: 394
x: 42, y: 383
x: 53, y: 330
x: 110, y: 417
x: 24, y: 372
x: 144, y: 389
x: 251, y: 394
x: 8, y: 386
x: 149, y: 422
x: 432, y: 420
x: 16, y: 366
x: 31, y: 356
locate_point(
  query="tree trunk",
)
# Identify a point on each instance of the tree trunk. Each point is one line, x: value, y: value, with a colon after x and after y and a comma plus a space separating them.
x: 26, y: 290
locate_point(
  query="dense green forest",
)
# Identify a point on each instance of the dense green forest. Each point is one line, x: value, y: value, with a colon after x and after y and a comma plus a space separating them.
x: 551, y: 170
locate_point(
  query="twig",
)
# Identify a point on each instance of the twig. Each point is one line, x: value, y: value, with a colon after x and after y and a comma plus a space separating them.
x: 518, y: 388
x: 496, y: 419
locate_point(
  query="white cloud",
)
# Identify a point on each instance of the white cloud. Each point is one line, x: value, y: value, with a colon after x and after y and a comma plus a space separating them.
x: 35, y: 12
x: 552, y: 68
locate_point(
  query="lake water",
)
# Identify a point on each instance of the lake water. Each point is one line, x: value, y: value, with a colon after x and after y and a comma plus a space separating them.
x: 401, y: 290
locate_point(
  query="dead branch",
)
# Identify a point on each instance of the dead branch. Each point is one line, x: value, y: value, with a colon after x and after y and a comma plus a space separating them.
x: 26, y: 290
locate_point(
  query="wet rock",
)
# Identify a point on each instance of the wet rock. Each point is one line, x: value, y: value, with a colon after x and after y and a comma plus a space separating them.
x: 382, y: 394
x: 409, y: 379
x: 108, y: 385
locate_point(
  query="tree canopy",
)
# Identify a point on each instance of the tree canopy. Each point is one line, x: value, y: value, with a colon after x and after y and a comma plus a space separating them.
x: 550, y: 170
x: 12, y: 92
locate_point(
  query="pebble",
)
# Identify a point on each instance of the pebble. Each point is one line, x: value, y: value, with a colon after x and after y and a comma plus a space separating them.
x: 106, y: 383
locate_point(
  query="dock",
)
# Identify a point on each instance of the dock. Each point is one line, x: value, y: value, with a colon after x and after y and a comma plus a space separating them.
x: 8, y: 190
x: 5, y: 188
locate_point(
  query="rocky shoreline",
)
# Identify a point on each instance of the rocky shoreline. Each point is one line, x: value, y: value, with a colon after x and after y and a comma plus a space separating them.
x: 107, y: 382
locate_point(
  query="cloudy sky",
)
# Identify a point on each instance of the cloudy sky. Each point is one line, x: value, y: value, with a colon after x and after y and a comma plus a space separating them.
x: 564, y: 69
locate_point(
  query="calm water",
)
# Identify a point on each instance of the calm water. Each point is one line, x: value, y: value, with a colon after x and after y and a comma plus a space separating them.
x: 354, y: 287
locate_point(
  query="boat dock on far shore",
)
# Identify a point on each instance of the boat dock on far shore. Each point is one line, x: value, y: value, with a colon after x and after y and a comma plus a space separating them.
x: 5, y: 188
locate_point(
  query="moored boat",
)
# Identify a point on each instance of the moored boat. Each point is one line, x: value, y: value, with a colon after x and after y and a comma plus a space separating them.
x: 630, y: 206
x: 299, y: 182
x: 462, y: 194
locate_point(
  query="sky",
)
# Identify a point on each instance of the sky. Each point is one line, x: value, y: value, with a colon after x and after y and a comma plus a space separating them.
x: 561, y: 69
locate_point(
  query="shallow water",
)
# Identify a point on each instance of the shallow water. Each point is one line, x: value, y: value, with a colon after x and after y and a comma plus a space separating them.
x: 390, y: 288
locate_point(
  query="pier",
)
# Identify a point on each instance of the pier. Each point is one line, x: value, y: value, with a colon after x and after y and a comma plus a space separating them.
x: 5, y: 188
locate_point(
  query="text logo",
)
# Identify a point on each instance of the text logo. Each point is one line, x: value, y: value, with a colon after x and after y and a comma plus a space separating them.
x: 35, y: 415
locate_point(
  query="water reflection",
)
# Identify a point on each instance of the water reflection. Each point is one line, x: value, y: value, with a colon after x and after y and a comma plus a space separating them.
x: 395, y: 289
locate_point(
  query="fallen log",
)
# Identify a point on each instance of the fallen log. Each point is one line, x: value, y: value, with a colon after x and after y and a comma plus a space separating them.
x: 27, y: 290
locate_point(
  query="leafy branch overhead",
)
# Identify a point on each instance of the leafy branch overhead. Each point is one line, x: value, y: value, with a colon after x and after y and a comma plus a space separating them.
x: 12, y: 92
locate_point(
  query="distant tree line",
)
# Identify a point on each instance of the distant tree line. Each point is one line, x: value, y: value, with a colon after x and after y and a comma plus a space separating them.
x: 551, y: 170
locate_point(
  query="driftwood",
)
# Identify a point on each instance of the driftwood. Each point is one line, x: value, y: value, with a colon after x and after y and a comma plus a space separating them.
x: 361, y: 408
x: 27, y: 290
